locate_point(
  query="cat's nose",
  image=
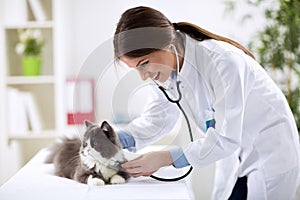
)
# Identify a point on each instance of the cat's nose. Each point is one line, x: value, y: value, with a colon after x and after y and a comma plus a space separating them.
x: 84, y: 144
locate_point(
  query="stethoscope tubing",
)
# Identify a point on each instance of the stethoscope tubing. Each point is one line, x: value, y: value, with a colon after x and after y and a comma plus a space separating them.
x: 177, y: 102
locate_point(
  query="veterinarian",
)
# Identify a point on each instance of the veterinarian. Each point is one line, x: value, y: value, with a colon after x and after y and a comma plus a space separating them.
x: 249, y: 129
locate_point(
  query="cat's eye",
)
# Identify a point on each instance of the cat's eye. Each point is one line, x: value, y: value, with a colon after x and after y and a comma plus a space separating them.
x: 95, y: 143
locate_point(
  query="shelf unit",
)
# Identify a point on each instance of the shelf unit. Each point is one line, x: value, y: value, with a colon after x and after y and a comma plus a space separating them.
x: 47, y: 89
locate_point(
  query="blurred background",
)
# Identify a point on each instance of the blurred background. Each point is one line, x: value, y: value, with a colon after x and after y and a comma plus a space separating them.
x: 69, y: 43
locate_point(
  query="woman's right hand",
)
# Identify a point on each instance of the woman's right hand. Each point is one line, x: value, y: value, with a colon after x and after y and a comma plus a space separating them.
x: 147, y: 164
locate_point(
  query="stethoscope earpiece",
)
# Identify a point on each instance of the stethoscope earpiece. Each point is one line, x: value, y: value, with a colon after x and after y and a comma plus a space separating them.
x: 172, y: 46
x: 174, y: 49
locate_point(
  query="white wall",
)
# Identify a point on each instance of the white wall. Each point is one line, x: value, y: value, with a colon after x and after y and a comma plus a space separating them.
x: 8, y: 153
x: 94, y: 21
x: 2, y: 114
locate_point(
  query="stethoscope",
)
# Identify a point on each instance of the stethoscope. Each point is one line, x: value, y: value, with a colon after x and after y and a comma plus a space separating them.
x: 177, y: 102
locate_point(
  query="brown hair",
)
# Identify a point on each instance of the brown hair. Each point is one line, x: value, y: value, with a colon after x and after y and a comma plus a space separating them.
x: 143, y: 30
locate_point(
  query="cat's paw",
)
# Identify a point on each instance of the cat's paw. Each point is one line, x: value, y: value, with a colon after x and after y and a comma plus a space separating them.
x: 95, y: 181
x: 117, y: 179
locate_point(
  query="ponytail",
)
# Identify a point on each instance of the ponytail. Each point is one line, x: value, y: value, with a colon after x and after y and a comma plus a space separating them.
x: 201, y: 34
x: 143, y: 30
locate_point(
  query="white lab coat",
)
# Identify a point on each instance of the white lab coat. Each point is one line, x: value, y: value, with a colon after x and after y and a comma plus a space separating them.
x: 255, y: 133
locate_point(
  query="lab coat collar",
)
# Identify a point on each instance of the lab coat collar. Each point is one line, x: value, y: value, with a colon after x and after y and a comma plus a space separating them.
x: 193, y: 82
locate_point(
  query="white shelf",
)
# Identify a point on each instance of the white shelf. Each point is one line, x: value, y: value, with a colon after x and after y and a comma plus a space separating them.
x: 33, y: 24
x: 44, y: 134
x: 18, y: 80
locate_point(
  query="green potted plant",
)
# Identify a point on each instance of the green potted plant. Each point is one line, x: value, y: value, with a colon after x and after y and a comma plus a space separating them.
x: 30, y: 47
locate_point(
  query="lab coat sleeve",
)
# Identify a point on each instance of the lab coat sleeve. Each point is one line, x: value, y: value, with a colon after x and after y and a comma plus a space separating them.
x: 227, y: 82
x: 178, y: 157
x: 158, y: 118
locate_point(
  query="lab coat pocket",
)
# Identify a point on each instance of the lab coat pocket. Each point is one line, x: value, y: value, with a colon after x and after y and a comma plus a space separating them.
x: 276, y: 149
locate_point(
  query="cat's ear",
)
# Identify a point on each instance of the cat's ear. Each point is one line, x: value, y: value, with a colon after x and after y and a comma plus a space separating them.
x: 108, y: 130
x: 88, y: 124
x: 110, y: 133
x: 106, y: 127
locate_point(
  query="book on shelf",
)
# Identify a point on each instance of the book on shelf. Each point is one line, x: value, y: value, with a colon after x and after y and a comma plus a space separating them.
x: 80, y: 100
x: 38, y: 10
x: 32, y: 111
x: 17, y: 118
x: 23, y: 113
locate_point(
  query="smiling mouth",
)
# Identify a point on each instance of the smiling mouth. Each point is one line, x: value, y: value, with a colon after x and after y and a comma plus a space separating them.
x: 156, y: 77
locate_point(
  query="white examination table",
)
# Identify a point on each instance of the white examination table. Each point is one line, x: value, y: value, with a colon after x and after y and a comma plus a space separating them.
x: 35, y: 181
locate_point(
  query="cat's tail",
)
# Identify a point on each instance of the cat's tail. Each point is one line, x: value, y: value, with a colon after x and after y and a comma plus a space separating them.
x: 63, y: 143
x: 53, y: 150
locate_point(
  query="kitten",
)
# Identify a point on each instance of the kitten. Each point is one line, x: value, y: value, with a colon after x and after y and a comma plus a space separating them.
x: 96, y: 160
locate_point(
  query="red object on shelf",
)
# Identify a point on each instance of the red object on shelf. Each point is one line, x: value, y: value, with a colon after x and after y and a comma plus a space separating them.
x: 80, y: 100
x: 78, y: 118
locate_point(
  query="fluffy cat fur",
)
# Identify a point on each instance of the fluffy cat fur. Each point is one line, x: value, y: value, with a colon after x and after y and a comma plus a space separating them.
x: 95, y: 160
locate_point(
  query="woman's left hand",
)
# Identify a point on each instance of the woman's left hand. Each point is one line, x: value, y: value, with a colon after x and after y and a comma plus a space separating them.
x: 147, y: 164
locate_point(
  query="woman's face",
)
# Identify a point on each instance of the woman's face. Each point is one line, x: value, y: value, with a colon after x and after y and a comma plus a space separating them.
x: 157, y: 65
